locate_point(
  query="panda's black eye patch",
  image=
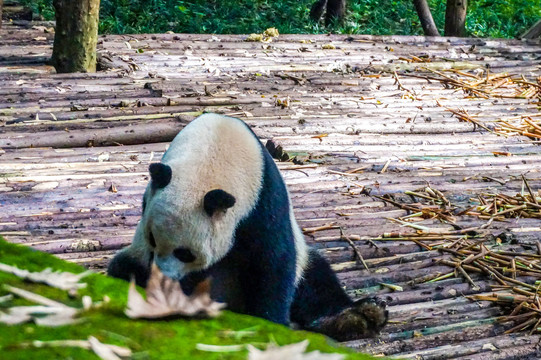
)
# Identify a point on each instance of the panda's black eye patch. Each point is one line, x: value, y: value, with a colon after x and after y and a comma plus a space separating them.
x: 160, y: 175
x: 217, y: 200
x: 184, y: 255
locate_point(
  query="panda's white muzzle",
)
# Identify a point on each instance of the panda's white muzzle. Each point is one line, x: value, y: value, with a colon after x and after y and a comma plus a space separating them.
x: 175, y: 265
x: 170, y: 266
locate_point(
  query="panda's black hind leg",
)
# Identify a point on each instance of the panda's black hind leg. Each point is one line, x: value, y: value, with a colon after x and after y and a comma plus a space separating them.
x: 125, y: 266
x: 321, y: 305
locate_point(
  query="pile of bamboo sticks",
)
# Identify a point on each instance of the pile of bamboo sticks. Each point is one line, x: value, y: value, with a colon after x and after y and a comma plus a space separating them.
x: 501, y: 206
x: 472, y: 256
x: 484, y: 84
x: 475, y: 253
x: 435, y: 205
x: 521, y: 125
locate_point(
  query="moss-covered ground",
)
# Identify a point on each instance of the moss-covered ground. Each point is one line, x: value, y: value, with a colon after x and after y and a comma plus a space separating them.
x: 173, y: 339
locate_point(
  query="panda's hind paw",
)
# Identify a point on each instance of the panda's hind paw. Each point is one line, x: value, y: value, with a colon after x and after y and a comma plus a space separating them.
x: 364, y: 318
x: 373, y: 309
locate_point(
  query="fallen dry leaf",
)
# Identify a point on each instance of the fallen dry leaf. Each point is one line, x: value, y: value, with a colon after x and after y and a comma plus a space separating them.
x: 102, y: 350
x: 49, y: 313
x: 91, y: 344
x: 30, y: 296
x: 165, y: 298
x: 290, y: 352
x: 501, y: 153
x: 220, y: 348
x: 320, y: 136
x: 62, y: 317
x: 41, y: 315
x: 489, y: 346
x: 271, y: 32
x: 14, y: 318
x: 6, y: 298
x: 58, y: 279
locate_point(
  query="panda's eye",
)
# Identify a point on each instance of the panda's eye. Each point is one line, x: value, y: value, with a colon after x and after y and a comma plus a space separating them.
x: 217, y: 200
x: 151, y: 240
x: 184, y: 255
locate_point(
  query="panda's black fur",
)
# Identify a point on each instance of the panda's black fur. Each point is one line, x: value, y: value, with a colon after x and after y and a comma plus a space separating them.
x: 257, y: 276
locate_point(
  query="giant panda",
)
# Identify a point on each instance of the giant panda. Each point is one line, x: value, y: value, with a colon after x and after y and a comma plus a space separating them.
x: 217, y: 206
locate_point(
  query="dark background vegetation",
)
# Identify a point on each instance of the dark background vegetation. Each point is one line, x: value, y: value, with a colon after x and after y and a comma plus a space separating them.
x: 486, y: 18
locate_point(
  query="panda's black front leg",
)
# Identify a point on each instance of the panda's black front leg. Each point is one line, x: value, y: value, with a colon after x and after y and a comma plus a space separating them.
x: 269, y: 295
x: 133, y: 261
x: 267, y: 285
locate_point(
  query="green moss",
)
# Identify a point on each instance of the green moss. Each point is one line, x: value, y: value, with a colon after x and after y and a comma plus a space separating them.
x: 174, y: 339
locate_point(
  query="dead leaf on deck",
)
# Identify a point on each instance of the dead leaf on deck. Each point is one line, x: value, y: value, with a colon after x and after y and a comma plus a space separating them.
x: 165, y: 298
x: 320, y: 136
x: 58, y: 279
x: 501, y: 153
x: 266, y: 36
x: 289, y: 352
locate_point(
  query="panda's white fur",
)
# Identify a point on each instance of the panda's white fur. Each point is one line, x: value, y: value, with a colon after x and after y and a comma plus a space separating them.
x: 212, y: 152
x: 300, y: 246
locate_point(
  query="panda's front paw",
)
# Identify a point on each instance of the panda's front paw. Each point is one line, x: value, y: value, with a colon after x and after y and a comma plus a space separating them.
x: 124, y: 266
x: 373, y: 309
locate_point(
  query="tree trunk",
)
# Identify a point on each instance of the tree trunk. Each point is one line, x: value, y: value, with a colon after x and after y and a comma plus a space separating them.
x: 317, y: 10
x: 455, y: 18
x: 336, y: 10
x: 423, y: 10
x: 76, y: 35
x: 532, y: 33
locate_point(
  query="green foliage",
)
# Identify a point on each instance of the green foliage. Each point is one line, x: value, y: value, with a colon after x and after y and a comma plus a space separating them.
x: 43, y: 7
x: 486, y: 18
x: 501, y: 18
x: 173, y: 339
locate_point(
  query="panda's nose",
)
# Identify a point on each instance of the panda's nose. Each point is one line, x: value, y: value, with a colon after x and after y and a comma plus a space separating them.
x: 184, y: 255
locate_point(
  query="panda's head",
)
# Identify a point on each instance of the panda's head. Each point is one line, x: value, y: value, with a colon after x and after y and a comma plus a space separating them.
x: 186, y: 229
x: 207, y: 182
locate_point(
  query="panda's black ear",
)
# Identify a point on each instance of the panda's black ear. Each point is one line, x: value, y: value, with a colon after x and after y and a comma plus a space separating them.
x: 217, y: 200
x: 160, y: 175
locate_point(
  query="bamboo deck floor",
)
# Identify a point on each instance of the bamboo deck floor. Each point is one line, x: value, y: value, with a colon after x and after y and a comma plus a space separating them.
x: 74, y: 153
